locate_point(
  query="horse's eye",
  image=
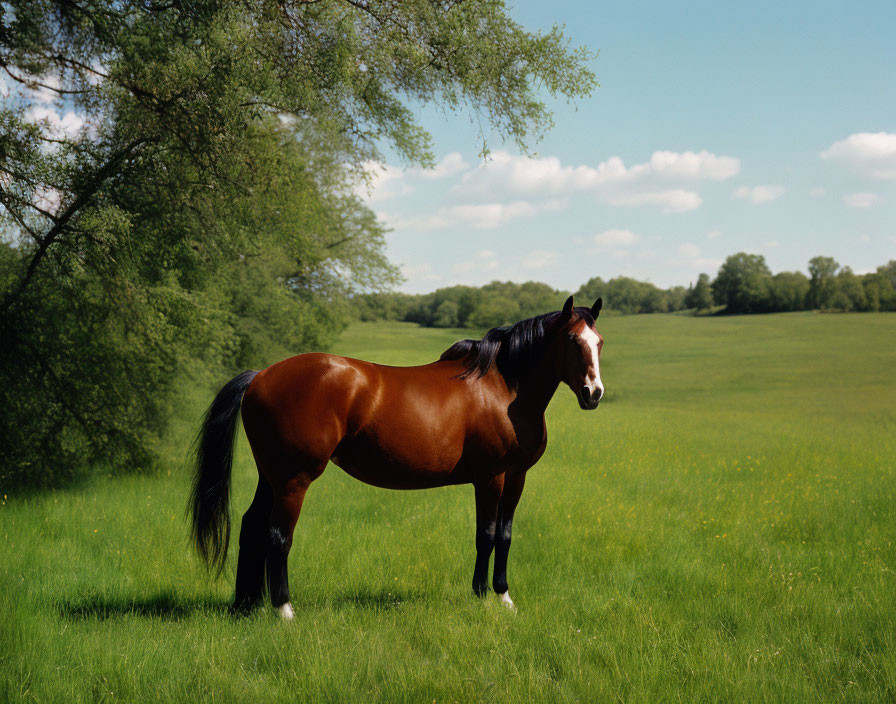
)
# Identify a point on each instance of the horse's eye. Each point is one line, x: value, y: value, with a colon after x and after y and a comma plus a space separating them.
x: 572, y: 337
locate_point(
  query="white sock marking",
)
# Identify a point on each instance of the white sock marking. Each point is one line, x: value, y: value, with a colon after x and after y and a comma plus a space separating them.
x: 286, y: 612
x: 507, y: 601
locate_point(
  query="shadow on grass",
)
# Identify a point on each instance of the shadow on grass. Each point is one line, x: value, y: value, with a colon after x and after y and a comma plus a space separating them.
x: 164, y: 605
x: 171, y: 606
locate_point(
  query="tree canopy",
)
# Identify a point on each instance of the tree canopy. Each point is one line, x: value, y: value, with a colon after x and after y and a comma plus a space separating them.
x: 177, y: 184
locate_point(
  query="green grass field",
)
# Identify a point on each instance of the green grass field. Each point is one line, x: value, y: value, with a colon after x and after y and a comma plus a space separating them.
x: 723, y: 528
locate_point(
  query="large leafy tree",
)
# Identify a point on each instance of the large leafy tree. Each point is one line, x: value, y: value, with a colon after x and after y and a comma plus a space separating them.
x: 177, y: 183
x: 742, y: 284
x: 822, y: 282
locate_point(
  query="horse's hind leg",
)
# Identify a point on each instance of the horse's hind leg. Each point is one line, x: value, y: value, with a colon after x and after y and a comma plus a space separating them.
x: 253, y: 550
x: 287, y: 506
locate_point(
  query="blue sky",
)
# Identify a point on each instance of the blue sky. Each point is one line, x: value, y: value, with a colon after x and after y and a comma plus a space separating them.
x: 718, y: 127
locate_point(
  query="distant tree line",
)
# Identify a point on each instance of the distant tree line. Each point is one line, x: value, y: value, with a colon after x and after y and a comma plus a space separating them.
x: 743, y: 284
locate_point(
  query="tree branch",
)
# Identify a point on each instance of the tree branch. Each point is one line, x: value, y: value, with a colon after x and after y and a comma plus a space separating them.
x: 62, y: 220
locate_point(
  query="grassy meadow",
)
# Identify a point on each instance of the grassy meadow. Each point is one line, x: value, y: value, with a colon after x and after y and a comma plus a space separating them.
x: 723, y: 528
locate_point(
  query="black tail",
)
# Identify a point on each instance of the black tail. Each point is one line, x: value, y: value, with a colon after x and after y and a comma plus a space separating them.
x: 210, y: 498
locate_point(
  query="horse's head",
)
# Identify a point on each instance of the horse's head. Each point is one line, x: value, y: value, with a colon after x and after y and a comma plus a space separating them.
x: 579, y: 352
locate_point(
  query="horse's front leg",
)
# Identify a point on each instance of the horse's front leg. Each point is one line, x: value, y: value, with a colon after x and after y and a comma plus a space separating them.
x: 488, y: 496
x: 510, y: 497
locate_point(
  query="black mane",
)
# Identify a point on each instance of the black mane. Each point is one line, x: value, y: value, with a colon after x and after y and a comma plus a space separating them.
x: 514, y: 348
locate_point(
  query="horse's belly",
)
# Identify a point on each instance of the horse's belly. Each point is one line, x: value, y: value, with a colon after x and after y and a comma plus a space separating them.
x: 412, y: 465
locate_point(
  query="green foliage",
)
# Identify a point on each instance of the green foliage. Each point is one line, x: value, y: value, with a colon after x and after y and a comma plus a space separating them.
x: 742, y: 284
x: 721, y: 529
x: 626, y: 295
x: 496, y: 303
x: 205, y: 212
x: 787, y: 291
x: 699, y: 296
x: 822, y: 282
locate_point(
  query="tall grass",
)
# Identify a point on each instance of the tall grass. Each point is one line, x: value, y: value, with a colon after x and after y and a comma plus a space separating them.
x: 721, y: 529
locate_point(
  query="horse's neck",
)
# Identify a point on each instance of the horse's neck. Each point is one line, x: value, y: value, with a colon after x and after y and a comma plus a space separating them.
x: 537, y: 388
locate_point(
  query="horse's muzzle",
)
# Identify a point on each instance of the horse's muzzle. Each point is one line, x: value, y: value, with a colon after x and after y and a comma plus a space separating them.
x: 587, y: 402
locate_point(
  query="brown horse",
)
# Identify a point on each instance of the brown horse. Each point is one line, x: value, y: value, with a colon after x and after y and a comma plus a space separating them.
x: 476, y: 417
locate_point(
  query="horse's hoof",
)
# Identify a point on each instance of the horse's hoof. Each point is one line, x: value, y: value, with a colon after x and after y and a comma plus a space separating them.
x: 507, y: 601
x: 286, y: 612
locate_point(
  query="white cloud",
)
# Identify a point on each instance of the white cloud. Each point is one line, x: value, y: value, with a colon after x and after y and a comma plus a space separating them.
x: 480, y: 216
x: 484, y: 260
x: 713, y: 234
x: 385, y: 181
x: 861, y: 200
x: 539, y: 259
x: 697, y: 166
x: 419, y: 272
x: 672, y: 201
x: 760, y: 194
x: 690, y: 256
x: 4, y: 89
x: 618, y: 244
x: 688, y: 250
x: 451, y: 165
x: 611, y: 180
x: 47, y: 199
x: 617, y: 238
x: 817, y: 192
x: 65, y: 127
x: 872, y: 153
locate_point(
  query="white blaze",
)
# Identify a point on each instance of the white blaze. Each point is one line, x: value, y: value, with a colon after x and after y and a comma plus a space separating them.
x: 592, y: 376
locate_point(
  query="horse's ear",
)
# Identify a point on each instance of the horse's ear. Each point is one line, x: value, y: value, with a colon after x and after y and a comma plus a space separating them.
x: 566, y: 313
x: 595, y: 309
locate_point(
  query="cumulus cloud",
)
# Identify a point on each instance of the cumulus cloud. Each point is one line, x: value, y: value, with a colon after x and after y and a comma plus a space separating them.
x: 817, y: 192
x: 691, y: 257
x: 713, y: 234
x: 47, y: 199
x: 483, y: 260
x: 617, y: 243
x: 419, y: 272
x: 688, y: 250
x: 385, y: 181
x: 617, y: 238
x: 539, y: 259
x: 611, y: 180
x: 758, y: 195
x: 55, y: 126
x: 479, y: 216
x: 861, y: 200
x: 451, y: 165
x: 871, y: 153
x: 675, y: 200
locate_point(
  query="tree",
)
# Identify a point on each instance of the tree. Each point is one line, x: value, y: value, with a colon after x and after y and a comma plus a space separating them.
x: 676, y: 296
x: 446, y: 315
x: 700, y: 296
x: 849, y: 293
x: 187, y: 190
x: 742, y: 284
x: 822, y: 282
x: 788, y: 291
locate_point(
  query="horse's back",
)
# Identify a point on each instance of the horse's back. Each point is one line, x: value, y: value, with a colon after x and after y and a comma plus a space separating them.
x: 399, y: 427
